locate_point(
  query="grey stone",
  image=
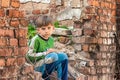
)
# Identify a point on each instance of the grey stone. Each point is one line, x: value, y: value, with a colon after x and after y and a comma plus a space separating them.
x: 42, y: 1
x: 58, y: 2
x: 61, y: 31
x: 69, y: 13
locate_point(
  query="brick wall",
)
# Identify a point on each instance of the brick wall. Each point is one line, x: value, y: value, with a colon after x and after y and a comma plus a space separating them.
x: 98, y: 26
x: 94, y: 25
x: 13, y: 42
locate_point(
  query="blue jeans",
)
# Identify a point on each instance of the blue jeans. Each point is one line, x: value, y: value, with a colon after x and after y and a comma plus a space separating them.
x: 60, y: 64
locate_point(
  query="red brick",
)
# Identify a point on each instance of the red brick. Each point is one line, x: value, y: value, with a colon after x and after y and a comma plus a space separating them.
x: 20, y: 61
x: 90, y: 40
x: 23, y: 42
x: 107, y: 5
x: 27, y: 69
x: 2, y: 13
x: 24, y: 23
x: 2, y: 32
x: 87, y: 32
x: 90, y: 2
x: 15, y: 51
x: 12, y: 71
x: 102, y: 18
x: 2, y: 23
x: 15, y: 4
x: 9, y: 51
x: 96, y: 3
x: 13, y: 13
x: 10, y: 61
x: 94, y: 78
x: 22, y: 33
x: 113, y: 13
x: 5, y: 3
x: 105, y: 70
x: 77, y: 24
x: 22, y: 14
x: 23, y: 50
x: 13, y: 42
x: 89, y: 10
x: 14, y: 23
x: 102, y: 4
x: 104, y: 26
x: 100, y: 41
x: 81, y: 77
x: 2, y: 62
x: 100, y: 11
x: 113, y: 20
x: 6, y: 52
x: 85, y: 47
x: 103, y: 34
x: 93, y: 70
x: 113, y: 6
x: 91, y: 63
x: 45, y: 11
x: 105, y: 77
x: 36, y: 12
x: 105, y: 62
x: 3, y: 41
x: 9, y: 33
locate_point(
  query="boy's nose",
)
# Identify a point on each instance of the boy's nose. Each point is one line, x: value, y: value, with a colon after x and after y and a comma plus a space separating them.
x: 46, y: 30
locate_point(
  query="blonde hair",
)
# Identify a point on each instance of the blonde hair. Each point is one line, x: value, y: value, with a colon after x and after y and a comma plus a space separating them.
x: 43, y: 20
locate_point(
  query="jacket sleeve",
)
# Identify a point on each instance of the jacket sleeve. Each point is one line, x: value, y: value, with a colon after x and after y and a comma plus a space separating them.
x: 33, y: 47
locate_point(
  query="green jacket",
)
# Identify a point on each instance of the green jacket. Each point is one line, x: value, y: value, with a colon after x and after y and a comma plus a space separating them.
x: 38, y: 47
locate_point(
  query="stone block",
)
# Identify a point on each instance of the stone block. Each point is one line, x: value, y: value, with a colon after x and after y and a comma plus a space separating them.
x: 77, y: 32
x: 61, y: 31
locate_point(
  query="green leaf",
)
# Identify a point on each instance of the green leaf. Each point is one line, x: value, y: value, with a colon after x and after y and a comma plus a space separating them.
x: 31, y: 31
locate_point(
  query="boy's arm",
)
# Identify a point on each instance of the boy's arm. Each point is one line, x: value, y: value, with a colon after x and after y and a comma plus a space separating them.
x: 32, y: 49
x: 32, y: 53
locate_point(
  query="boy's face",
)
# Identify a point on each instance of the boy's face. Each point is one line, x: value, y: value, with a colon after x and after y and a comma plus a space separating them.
x: 45, y: 31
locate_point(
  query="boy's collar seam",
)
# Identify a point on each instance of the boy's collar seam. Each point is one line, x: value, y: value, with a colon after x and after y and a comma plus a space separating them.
x: 43, y: 38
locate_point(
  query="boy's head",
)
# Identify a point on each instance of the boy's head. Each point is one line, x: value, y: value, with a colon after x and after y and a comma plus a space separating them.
x: 44, y: 26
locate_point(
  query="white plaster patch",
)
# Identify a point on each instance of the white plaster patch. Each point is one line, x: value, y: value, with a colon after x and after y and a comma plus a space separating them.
x: 69, y: 13
x: 42, y: 1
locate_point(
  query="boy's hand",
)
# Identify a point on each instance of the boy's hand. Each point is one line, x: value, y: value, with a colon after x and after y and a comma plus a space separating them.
x: 50, y: 50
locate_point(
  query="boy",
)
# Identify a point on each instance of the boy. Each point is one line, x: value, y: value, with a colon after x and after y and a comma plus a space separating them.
x: 42, y: 54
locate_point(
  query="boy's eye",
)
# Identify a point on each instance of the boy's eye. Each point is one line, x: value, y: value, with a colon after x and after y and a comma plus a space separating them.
x: 49, y: 27
x: 43, y: 28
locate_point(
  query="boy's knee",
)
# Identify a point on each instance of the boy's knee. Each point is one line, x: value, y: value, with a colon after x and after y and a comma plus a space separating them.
x: 63, y: 55
x: 52, y: 55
